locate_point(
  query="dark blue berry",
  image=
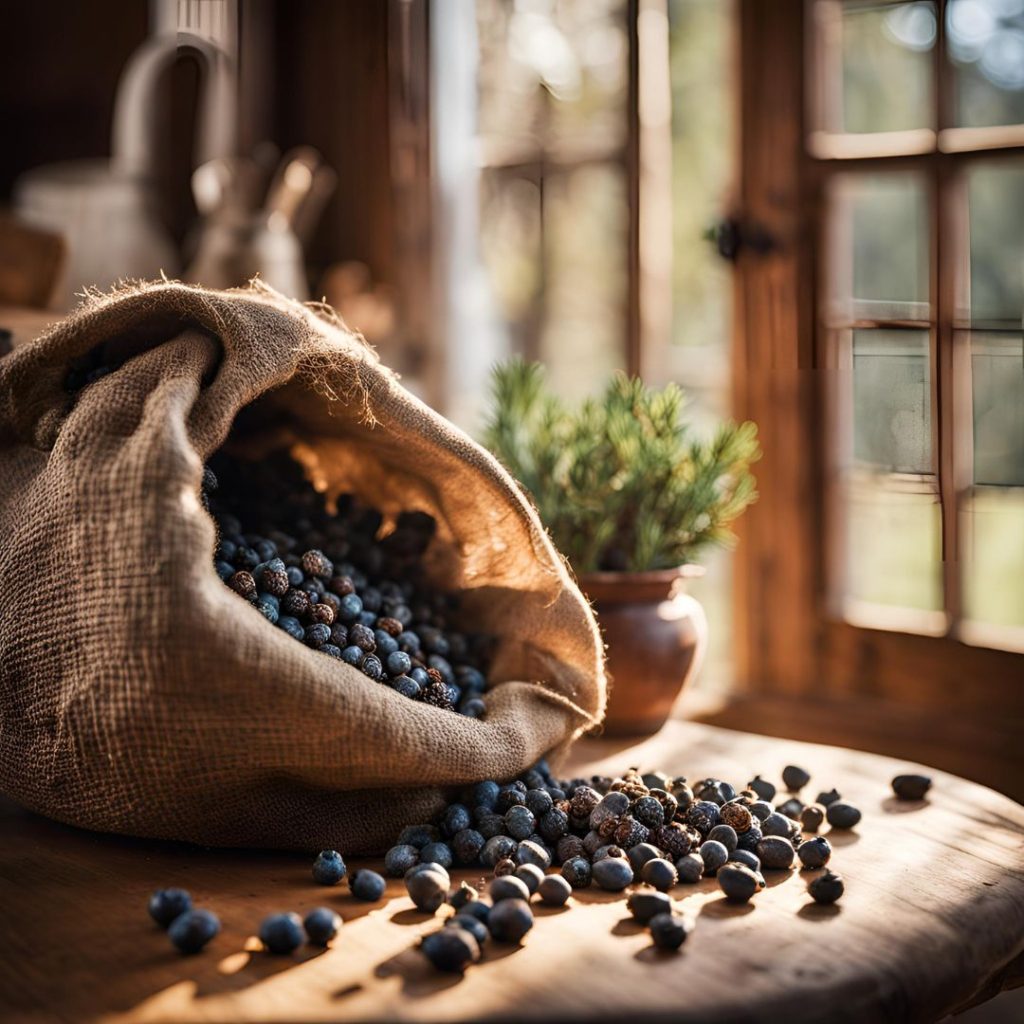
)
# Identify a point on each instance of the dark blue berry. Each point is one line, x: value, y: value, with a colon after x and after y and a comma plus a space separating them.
x: 291, y: 626
x: 554, y: 890
x: 192, y: 930
x: 746, y: 858
x: 478, y: 909
x: 418, y: 836
x: 577, y: 872
x: 281, y: 933
x: 485, y: 794
x: 775, y: 852
x: 387, y: 645
x: 371, y: 666
x: 267, y: 605
x: 328, y: 868
x: 352, y: 655
x: 690, y: 868
x: 367, y: 885
x: 405, y: 686
x: 167, y: 904
x: 474, y: 707
x: 906, y: 787
x: 469, y: 923
x: 224, y: 569
x: 427, y: 889
x: 398, y: 663
x: 738, y: 881
x: 519, y: 822
x: 317, y: 635
x: 814, y: 853
x: 452, y: 949
x: 350, y: 608
x: 456, y: 818
x: 611, y: 873
x: 466, y: 845
x: 643, y: 904
x: 321, y: 924
x: 826, y: 888
x: 510, y: 920
x: 660, y: 873
x: 399, y: 859
x: 842, y: 815
x: 497, y: 848
x: 669, y: 931
x: 508, y: 887
x: 437, y: 853
x: 225, y: 551
x: 295, y: 576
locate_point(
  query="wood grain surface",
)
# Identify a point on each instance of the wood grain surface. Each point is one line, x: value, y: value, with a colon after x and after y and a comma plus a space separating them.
x: 932, y: 920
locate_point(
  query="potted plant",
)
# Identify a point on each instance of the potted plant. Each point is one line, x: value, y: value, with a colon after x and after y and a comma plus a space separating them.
x: 631, y: 498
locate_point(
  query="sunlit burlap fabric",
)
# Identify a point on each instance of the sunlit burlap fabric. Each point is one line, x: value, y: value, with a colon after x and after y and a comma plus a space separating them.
x: 138, y: 694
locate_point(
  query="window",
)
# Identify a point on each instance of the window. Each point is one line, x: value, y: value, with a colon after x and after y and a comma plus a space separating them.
x: 878, y: 577
x: 918, y: 141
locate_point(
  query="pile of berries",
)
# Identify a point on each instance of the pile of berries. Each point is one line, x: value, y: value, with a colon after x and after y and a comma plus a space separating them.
x: 648, y: 831
x: 343, y: 582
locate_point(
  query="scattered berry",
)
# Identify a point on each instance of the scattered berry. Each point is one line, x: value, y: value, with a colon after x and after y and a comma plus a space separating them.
x: 911, y: 787
x: 826, y: 888
x: 328, y: 868
x: 367, y: 885
x: 451, y: 949
x: 321, y: 925
x: 669, y: 931
x: 510, y: 920
x: 193, y: 929
x: 554, y: 890
x: 814, y: 853
x: 281, y: 933
x: 167, y: 904
x: 842, y: 815
x: 738, y: 881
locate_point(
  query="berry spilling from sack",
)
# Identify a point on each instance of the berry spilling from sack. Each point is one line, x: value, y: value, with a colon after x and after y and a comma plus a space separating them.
x: 344, y: 582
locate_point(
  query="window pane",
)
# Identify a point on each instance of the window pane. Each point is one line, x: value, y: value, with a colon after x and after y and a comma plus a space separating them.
x: 885, y: 80
x: 702, y: 168
x: 892, y: 401
x: 890, y: 504
x: 985, y: 42
x: 893, y: 544
x: 552, y: 73
x: 585, y: 228
x: 993, y: 527
x: 879, y: 247
x: 996, y: 198
x: 997, y: 379
x: 510, y: 242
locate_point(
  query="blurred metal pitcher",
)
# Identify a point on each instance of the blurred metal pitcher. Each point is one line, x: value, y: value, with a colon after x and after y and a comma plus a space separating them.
x: 108, y: 210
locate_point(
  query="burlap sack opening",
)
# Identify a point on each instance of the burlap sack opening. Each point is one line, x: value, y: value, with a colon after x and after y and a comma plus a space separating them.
x: 139, y: 695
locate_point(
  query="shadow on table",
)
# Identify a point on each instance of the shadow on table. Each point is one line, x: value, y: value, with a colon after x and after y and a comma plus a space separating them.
x: 893, y: 806
x: 420, y: 978
x: 842, y: 837
x: 722, y: 908
x: 819, y: 911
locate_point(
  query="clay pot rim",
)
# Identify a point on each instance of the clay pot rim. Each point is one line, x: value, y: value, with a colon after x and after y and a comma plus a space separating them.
x: 627, y: 587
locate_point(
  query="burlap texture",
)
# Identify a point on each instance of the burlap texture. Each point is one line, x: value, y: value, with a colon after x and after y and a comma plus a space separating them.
x: 139, y: 695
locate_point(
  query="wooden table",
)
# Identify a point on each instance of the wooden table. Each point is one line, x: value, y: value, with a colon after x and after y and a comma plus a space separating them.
x: 932, y: 920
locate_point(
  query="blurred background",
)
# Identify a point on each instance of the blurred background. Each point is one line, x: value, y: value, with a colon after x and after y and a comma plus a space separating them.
x: 809, y: 214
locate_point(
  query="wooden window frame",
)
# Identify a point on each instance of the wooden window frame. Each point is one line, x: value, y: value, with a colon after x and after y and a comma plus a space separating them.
x: 800, y: 669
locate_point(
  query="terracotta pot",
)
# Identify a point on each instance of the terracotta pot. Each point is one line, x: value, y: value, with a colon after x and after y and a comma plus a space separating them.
x: 656, y: 635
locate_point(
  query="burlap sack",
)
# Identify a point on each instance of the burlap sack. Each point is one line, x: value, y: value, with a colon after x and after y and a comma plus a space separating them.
x: 139, y: 695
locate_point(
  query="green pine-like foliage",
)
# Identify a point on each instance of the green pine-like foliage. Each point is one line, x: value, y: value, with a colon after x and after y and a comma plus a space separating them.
x: 620, y: 482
